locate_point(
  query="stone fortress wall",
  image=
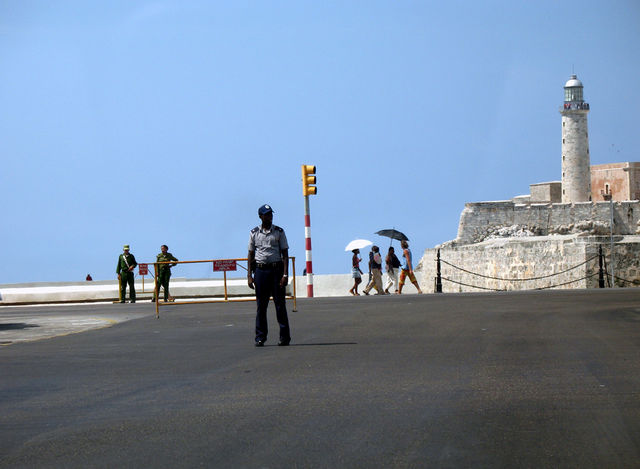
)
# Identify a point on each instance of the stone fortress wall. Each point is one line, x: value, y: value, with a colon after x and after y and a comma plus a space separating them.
x: 549, y: 257
x: 506, y: 240
x: 485, y: 220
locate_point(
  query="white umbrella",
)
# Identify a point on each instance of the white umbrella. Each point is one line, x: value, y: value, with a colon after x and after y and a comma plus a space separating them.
x: 358, y: 244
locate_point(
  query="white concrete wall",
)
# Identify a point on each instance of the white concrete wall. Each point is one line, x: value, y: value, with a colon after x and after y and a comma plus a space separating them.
x: 106, y: 291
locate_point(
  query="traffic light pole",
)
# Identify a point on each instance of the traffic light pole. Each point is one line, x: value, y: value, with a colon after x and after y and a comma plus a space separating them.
x: 308, y: 188
x: 307, y: 242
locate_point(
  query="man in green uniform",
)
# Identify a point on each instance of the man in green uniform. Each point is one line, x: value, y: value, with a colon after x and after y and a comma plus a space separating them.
x: 164, y: 272
x: 126, y: 264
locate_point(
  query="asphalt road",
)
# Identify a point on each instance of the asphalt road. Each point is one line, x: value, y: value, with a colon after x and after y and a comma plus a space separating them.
x: 526, y: 379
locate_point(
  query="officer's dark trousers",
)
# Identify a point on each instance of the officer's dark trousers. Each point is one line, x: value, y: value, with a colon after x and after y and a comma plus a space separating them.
x: 163, y: 281
x: 127, y: 278
x: 267, y: 283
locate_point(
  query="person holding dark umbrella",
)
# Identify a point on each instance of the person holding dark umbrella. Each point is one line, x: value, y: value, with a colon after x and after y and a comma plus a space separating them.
x: 392, y: 264
x: 393, y: 234
x: 407, y: 268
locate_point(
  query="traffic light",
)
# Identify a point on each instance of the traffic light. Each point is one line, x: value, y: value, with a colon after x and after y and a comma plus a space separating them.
x: 308, y: 178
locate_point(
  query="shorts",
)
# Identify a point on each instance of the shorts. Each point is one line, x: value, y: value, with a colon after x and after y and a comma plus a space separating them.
x: 355, y: 273
x: 403, y: 276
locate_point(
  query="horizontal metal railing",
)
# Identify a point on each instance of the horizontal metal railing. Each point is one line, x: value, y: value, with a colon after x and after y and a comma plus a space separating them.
x: 226, y: 294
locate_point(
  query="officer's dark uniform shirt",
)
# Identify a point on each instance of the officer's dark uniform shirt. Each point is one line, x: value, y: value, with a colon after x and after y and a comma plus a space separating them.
x: 165, y: 257
x: 268, y: 244
x: 125, y: 261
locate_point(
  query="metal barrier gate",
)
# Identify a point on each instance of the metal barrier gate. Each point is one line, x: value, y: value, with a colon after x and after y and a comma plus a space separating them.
x: 224, y: 266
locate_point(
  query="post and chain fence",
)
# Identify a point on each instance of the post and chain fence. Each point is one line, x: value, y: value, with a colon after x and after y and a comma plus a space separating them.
x: 602, y: 274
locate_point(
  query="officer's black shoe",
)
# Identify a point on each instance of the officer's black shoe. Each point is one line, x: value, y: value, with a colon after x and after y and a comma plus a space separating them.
x: 283, y: 343
x: 132, y: 301
x: 259, y: 343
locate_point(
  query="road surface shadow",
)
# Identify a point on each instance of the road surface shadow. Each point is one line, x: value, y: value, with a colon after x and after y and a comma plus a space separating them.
x: 319, y: 344
x: 14, y: 326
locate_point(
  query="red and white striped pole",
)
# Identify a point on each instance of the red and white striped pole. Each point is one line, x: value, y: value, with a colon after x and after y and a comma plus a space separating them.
x: 308, y: 188
x: 307, y: 246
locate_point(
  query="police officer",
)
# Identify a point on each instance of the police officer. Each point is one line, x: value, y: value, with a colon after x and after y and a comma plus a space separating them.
x: 164, y: 272
x: 126, y: 264
x: 268, y: 272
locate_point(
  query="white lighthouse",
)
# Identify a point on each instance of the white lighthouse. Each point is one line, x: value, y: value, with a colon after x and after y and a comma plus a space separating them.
x: 576, y: 166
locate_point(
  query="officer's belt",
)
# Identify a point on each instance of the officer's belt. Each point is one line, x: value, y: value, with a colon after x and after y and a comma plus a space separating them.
x: 270, y: 265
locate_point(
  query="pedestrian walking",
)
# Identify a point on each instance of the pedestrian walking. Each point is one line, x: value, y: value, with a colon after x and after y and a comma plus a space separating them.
x: 163, y: 274
x: 407, y: 268
x: 356, y: 273
x: 392, y: 263
x: 376, y: 272
x: 268, y: 273
x: 126, y: 264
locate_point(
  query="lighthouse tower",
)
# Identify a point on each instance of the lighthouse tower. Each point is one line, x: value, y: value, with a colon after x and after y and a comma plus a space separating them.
x: 576, y: 166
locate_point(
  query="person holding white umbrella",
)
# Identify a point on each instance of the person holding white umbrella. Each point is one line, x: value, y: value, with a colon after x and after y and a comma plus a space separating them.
x: 356, y: 273
x: 354, y: 246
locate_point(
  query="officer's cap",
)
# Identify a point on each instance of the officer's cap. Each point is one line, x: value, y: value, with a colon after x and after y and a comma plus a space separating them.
x: 125, y: 247
x: 265, y: 209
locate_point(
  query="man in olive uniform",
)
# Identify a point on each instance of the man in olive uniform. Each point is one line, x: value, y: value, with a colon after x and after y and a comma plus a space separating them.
x: 268, y: 273
x: 126, y: 264
x: 164, y: 272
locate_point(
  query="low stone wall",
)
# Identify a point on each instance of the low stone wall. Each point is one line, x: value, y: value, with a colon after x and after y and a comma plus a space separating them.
x: 482, y: 220
x: 528, y: 258
x: 105, y: 291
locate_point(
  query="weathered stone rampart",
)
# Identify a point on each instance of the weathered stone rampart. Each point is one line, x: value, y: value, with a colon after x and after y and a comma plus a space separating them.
x: 549, y: 260
x: 480, y: 221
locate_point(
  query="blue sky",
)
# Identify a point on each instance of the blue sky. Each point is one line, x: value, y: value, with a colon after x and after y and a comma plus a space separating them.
x: 171, y: 122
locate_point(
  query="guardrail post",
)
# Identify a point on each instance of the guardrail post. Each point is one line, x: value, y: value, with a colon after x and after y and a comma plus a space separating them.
x: 293, y: 266
x: 438, y: 274
x: 156, y: 291
x: 600, y: 269
x: 226, y: 296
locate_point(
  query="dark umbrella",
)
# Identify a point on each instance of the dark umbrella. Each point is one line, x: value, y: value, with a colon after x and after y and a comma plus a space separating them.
x: 393, y: 234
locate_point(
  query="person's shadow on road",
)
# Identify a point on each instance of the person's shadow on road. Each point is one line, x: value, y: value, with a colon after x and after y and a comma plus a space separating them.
x: 14, y: 326
x: 322, y: 344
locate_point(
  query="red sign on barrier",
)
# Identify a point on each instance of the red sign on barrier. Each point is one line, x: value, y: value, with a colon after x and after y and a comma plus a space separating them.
x: 224, y: 265
x: 143, y: 269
